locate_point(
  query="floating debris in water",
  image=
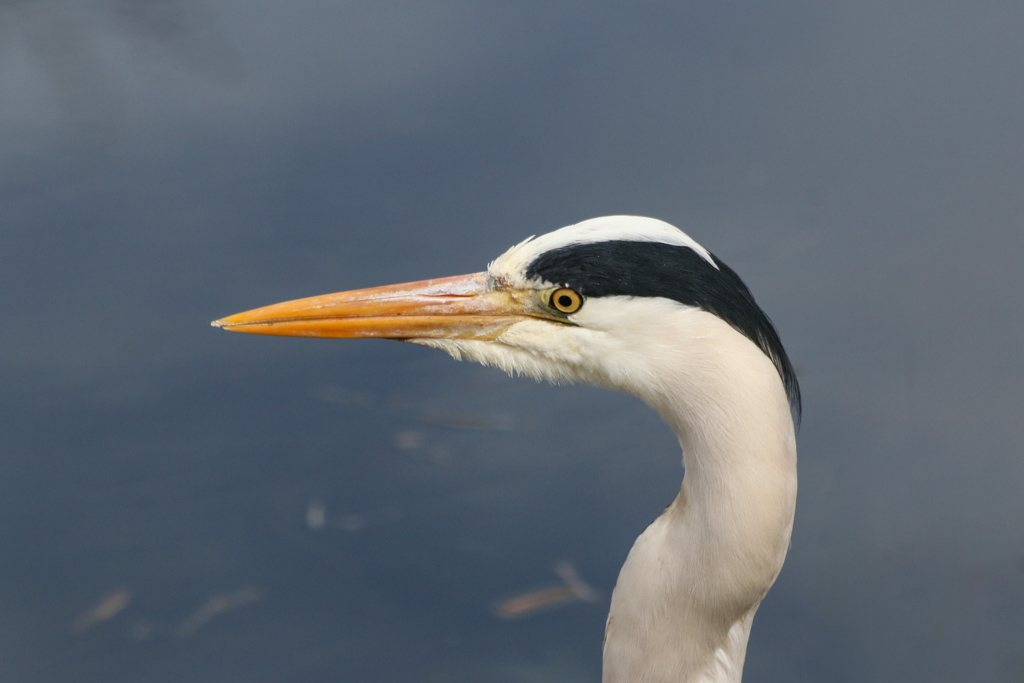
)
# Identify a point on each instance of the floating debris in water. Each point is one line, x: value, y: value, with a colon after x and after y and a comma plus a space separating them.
x: 108, y: 607
x: 216, y: 606
x: 580, y: 588
x: 534, y: 601
x: 316, y: 514
x: 525, y: 604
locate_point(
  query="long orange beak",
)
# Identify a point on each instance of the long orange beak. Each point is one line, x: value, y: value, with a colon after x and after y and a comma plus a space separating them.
x: 453, y: 307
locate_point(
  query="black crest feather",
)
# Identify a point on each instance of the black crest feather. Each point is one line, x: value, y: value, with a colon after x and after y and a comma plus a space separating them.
x: 656, y: 269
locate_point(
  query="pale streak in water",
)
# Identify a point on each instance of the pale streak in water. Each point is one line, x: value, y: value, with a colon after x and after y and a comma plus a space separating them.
x: 108, y: 607
x: 525, y: 604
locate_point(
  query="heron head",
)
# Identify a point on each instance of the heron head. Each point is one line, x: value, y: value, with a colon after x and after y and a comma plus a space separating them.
x: 608, y: 301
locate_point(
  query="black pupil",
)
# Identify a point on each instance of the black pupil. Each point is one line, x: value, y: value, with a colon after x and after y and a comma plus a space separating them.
x: 565, y: 301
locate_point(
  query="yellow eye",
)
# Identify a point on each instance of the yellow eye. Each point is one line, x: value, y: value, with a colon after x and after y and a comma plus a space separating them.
x: 566, y: 300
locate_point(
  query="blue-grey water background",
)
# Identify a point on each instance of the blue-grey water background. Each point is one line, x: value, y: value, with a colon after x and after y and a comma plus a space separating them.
x: 359, y: 507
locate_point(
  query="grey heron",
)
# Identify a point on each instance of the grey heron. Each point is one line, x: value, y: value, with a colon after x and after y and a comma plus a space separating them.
x: 632, y: 304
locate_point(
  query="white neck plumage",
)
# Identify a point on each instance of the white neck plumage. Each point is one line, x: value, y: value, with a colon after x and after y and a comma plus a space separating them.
x: 686, y: 596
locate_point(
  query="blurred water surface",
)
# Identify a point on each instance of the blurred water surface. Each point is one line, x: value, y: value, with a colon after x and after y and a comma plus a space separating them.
x: 183, y: 504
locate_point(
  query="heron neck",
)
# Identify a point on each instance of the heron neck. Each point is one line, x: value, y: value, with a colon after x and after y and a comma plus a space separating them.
x: 739, y: 457
x: 742, y: 465
x: 737, y: 500
x: 685, y: 599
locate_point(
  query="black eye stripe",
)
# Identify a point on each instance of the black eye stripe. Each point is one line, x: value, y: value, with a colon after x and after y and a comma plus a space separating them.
x: 656, y: 269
